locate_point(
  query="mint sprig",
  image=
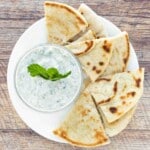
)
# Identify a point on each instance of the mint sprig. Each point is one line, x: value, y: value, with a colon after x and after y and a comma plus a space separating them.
x: 48, y: 74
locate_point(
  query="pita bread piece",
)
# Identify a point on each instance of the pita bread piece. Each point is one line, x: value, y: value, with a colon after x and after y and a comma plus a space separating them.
x: 120, y: 55
x: 117, y: 126
x: 117, y: 94
x: 83, y: 126
x: 89, y: 35
x: 93, y: 55
x: 63, y: 22
x: 79, y: 48
x: 94, y: 21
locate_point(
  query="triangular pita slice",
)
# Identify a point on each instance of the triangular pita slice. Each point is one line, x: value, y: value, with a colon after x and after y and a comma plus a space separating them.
x: 117, y: 94
x: 63, y: 22
x: 94, y: 21
x: 94, y: 55
x: 117, y: 126
x: 83, y: 127
x: 80, y: 48
x: 89, y: 35
x: 120, y: 55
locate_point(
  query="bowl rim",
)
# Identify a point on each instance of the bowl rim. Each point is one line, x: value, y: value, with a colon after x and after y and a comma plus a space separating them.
x: 80, y: 75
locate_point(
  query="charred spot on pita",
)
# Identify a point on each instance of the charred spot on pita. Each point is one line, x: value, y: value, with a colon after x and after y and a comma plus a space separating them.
x: 115, y: 87
x: 105, y: 101
x: 123, y: 102
x: 94, y: 68
x: 105, y: 139
x: 138, y: 81
x: 63, y: 133
x: 88, y: 47
x: 99, y: 136
x: 125, y: 60
x: 106, y: 46
x: 98, y: 71
x: 131, y: 94
x: 122, y: 97
x: 113, y: 109
x: 88, y: 63
x: 103, y: 79
x: 101, y: 63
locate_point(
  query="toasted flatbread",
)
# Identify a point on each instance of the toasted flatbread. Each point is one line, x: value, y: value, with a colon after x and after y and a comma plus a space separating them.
x: 94, y: 55
x: 63, y: 22
x: 79, y: 48
x: 89, y: 35
x: 83, y: 127
x: 117, y: 126
x: 117, y: 94
x: 120, y: 55
x: 94, y: 21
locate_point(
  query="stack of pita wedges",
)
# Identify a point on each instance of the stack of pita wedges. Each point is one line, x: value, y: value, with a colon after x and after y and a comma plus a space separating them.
x: 108, y: 102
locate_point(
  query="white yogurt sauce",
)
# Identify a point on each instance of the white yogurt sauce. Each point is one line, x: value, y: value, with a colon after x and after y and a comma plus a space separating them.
x: 46, y: 95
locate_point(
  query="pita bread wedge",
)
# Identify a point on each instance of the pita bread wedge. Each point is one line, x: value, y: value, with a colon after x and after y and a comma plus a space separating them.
x: 94, y: 21
x: 120, y: 55
x: 89, y: 35
x: 117, y: 126
x: 79, y: 48
x: 94, y: 55
x: 83, y: 127
x: 117, y: 94
x: 63, y: 22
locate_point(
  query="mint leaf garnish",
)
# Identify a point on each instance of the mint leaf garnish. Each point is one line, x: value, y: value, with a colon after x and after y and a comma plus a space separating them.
x: 37, y: 70
x: 48, y: 74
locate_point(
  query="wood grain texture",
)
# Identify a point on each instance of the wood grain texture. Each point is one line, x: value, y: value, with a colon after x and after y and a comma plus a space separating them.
x: 132, y: 16
x: 28, y: 140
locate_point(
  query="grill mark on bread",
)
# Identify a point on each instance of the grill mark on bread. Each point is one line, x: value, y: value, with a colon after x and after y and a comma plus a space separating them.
x: 129, y: 94
x: 107, y: 46
x: 99, y: 136
x: 101, y: 63
x: 105, y: 101
x: 132, y: 93
x: 113, y: 110
x: 94, y: 68
x: 138, y: 81
x: 81, y: 13
x: 103, y: 79
x: 88, y: 63
x: 110, y: 98
x: 125, y: 60
x: 98, y: 71
x: 88, y: 48
x: 115, y: 87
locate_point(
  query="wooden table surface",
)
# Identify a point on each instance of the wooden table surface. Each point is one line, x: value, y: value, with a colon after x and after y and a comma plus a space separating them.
x: 132, y: 16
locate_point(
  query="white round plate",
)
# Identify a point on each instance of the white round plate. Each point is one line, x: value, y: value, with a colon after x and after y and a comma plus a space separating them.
x: 44, y: 123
